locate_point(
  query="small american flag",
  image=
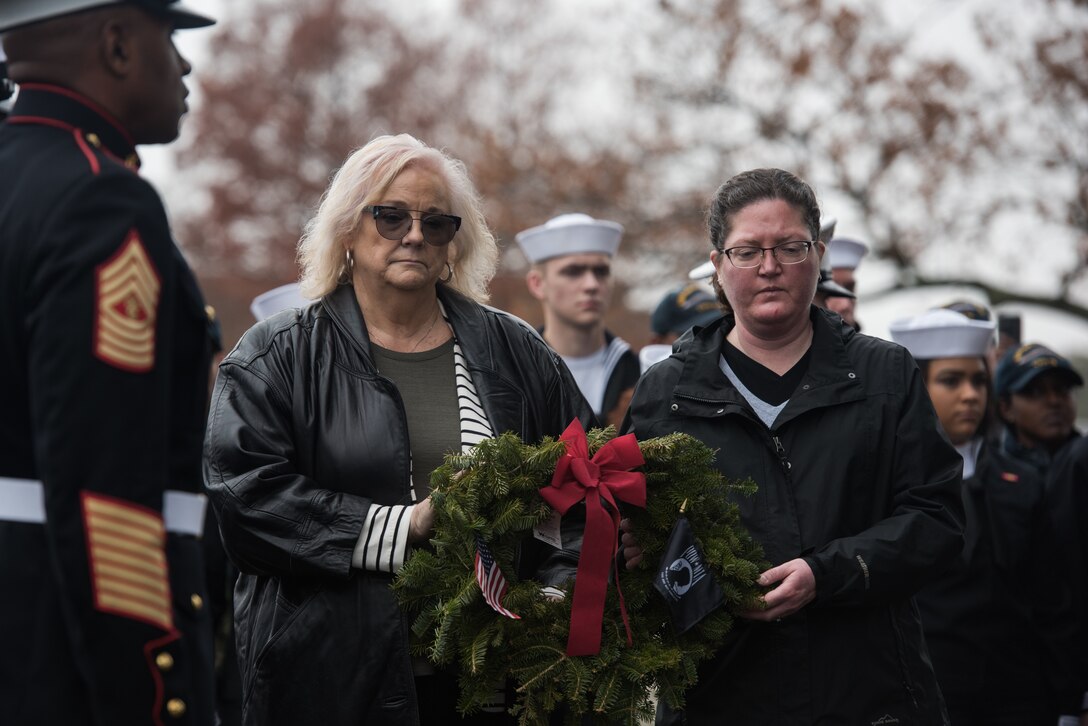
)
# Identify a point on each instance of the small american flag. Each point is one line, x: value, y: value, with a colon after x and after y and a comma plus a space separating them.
x: 491, y: 580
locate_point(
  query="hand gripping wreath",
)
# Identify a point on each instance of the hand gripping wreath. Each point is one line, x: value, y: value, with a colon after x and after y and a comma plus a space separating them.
x: 492, y: 496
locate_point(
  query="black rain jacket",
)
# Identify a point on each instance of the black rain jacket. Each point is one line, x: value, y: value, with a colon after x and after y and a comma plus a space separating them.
x: 855, y: 477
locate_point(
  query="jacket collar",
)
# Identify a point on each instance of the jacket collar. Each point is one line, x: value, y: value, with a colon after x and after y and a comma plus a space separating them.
x: 465, y: 317
x: 45, y: 104
x: 1036, y: 457
x: 343, y: 308
x: 830, y: 379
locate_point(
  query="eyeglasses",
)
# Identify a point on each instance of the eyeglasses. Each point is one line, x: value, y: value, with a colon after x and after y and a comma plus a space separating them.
x: 394, y: 223
x: 788, y: 253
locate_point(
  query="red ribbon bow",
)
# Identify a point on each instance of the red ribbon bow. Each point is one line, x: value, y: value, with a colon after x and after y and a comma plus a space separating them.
x: 607, y: 475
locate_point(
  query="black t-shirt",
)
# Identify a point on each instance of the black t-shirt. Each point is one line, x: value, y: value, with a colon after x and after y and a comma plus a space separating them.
x: 762, y: 381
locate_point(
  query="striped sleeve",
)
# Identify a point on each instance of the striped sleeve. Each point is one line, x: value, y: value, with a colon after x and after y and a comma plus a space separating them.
x: 474, y: 424
x: 384, y: 540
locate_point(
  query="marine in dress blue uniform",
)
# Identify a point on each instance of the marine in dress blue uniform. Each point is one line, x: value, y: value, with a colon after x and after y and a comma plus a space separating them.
x: 105, y: 347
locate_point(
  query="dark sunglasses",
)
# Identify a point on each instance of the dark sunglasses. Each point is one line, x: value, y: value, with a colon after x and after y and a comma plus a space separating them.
x: 393, y: 223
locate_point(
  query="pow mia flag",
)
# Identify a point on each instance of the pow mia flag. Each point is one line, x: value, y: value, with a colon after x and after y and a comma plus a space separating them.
x: 684, y: 581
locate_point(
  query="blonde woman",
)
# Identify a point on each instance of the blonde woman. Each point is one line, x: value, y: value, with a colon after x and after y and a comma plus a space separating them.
x: 327, y: 421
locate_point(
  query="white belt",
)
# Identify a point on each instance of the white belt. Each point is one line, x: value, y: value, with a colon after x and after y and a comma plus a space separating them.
x: 23, y: 500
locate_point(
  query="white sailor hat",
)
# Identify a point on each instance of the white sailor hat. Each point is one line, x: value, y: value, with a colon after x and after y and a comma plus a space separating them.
x: 570, y: 234
x: 943, y: 333
x: 279, y: 298
x: 827, y: 228
x: 826, y: 284
x: 17, y: 13
x: 847, y: 253
x: 653, y: 353
x: 704, y: 271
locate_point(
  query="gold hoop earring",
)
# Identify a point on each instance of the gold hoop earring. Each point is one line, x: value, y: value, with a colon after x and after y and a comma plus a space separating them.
x: 449, y: 277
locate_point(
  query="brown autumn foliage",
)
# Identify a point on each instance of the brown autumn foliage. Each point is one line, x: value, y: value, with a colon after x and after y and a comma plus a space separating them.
x: 628, y: 112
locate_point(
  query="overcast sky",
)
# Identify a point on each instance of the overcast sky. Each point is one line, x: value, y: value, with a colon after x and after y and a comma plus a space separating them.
x: 941, y: 25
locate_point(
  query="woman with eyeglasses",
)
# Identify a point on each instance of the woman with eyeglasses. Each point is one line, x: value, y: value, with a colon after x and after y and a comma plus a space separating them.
x: 999, y: 622
x: 858, y: 493
x: 326, y: 423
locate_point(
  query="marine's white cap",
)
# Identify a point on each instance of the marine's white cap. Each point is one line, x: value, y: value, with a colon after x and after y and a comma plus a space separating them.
x: 279, y: 298
x: 847, y: 253
x: 570, y: 234
x: 943, y: 333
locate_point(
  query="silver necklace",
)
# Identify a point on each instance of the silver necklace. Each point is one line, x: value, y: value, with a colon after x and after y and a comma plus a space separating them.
x: 419, y: 342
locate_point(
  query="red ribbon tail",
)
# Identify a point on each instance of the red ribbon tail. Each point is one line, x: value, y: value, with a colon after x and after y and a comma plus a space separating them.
x: 591, y: 583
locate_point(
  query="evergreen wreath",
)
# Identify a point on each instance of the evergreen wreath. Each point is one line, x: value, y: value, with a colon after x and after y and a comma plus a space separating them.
x: 493, y: 492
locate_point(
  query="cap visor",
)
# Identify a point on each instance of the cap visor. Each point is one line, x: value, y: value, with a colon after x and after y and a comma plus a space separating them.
x: 834, y: 289
x: 184, y: 19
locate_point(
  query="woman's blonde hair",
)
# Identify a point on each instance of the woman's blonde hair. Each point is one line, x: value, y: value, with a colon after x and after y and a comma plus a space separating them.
x: 361, y: 181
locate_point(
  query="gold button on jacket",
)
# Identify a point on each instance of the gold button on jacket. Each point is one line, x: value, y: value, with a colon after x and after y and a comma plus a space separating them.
x: 175, y: 707
x: 164, y: 661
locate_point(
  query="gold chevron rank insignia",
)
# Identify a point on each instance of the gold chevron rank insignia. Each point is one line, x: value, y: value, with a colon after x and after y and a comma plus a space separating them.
x: 127, y: 301
x: 126, y: 548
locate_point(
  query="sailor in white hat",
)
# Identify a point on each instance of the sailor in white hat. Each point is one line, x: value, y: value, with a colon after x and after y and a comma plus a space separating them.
x: 844, y: 255
x: 571, y: 275
x: 951, y: 349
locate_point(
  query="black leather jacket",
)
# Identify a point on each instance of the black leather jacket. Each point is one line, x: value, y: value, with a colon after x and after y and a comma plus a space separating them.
x: 303, y: 437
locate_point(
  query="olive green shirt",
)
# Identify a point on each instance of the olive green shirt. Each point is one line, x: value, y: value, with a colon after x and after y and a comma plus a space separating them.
x: 428, y: 390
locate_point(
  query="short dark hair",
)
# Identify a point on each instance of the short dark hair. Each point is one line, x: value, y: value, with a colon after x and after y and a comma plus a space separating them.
x: 748, y: 187
x: 757, y: 185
